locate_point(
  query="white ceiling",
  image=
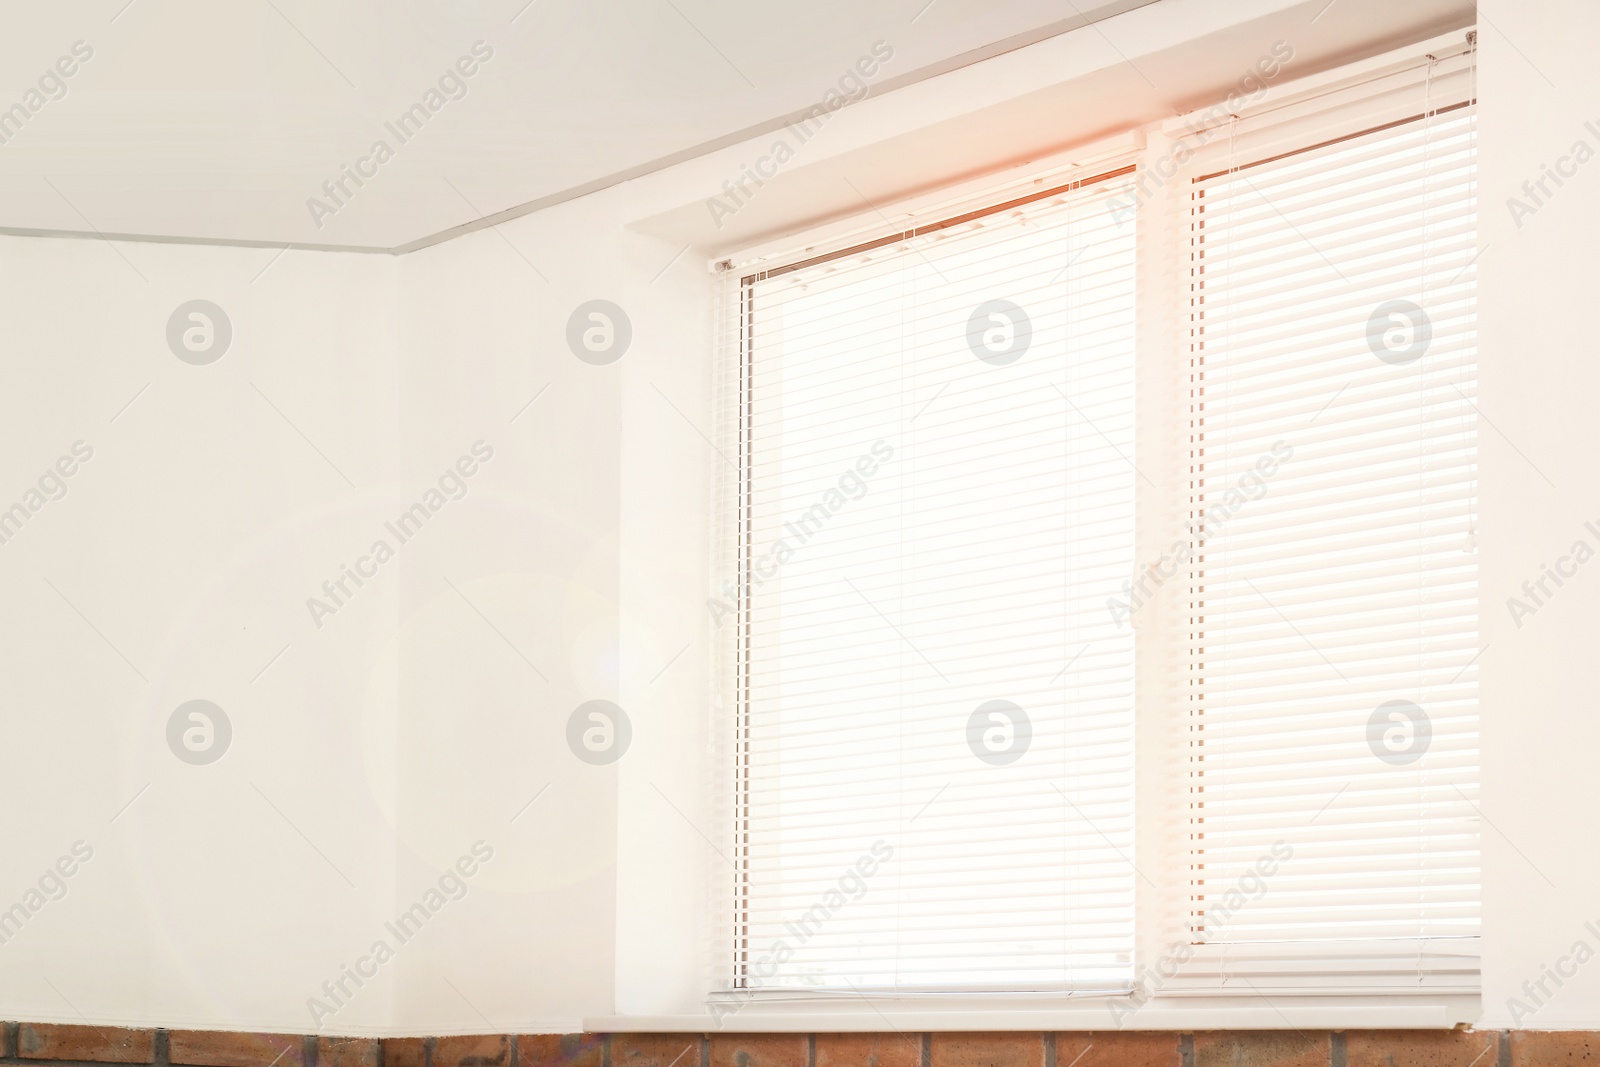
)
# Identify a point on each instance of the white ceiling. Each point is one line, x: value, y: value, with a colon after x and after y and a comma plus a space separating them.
x: 200, y: 119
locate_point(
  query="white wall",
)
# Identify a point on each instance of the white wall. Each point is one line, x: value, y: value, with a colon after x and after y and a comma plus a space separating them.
x: 382, y: 743
x: 590, y: 554
x: 176, y: 567
x: 1539, y: 381
x: 534, y: 548
x: 425, y: 715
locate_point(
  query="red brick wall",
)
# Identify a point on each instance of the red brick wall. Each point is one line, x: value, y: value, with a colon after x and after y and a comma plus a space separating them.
x: 47, y: 1045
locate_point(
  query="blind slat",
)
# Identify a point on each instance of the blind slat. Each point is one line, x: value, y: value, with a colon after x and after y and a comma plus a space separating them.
x: 1345, y: 582
x: 989, y: 515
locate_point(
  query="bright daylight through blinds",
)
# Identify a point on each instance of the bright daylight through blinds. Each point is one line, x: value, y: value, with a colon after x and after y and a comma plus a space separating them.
x: 935, y: 709
x: 1333, y: 618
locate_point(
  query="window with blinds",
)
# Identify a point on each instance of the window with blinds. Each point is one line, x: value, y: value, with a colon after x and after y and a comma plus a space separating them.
x: 1333, y: 613
x: 933, y: 708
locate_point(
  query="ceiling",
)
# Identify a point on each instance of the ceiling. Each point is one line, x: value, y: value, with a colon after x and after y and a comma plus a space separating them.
x: 200, y: 120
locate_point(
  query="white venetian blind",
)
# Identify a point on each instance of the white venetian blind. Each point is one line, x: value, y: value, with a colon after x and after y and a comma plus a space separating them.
x: 1333, y: 614
x: 934, y: 710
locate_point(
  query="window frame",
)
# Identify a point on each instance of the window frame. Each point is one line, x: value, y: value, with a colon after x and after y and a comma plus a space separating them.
x: 740, y: 308
x: 1297, y: 109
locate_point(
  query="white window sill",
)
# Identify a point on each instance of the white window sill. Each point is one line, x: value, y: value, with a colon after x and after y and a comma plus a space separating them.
x: 1284, y: 1013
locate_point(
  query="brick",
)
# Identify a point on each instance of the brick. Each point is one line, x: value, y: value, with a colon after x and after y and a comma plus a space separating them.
x: 869, y: 1050
x: 999, y: 1049
x: 1121, y: 1048
x: 759, y: 1050
x: 655, y: 1050
x: 1421, y: 1048
x: 1261, y: 1048
x: 1554, y: 1048
x: 347, y: 1052
x: 472, y: 1050
x: 100, y: 1044
x: 219, y: 1048
x: 404, y: 1051
x: 568, y: 1050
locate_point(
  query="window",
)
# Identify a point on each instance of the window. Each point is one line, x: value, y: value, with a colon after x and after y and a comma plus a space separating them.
x: 944, y: 543
x: 1333, y: 610
x: 936, y: 498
